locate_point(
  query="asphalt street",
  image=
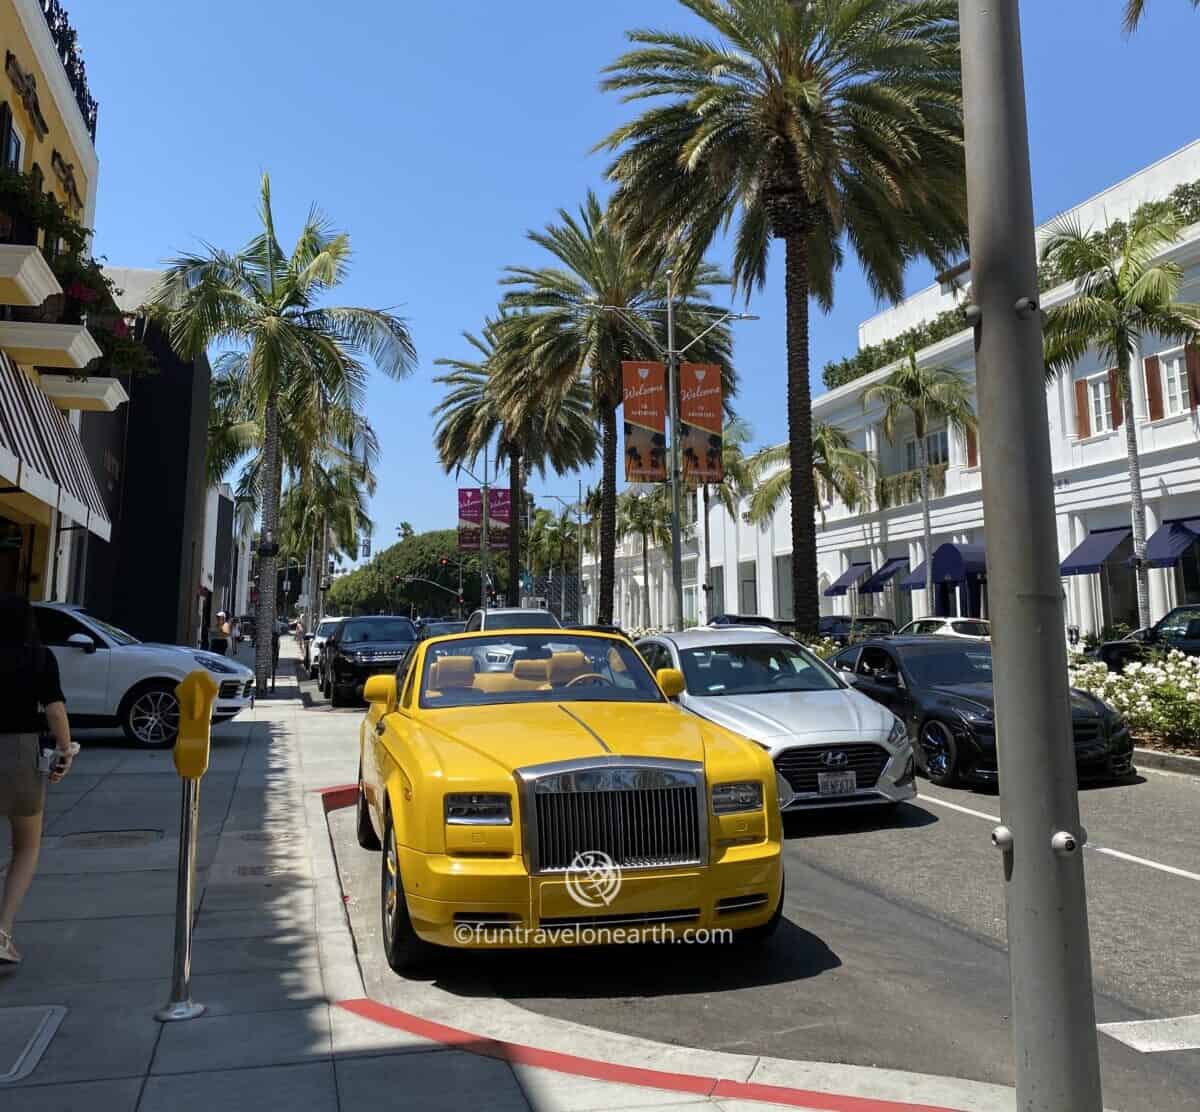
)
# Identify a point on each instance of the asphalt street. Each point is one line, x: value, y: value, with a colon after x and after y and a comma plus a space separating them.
x: 892, y: 952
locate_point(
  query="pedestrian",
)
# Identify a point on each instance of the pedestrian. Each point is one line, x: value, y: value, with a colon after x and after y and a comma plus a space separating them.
x: 28, y: 679
x: 218, y: 641
x: 236, y: 636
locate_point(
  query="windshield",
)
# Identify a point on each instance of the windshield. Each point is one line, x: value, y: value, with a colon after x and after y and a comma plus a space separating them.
x: 535, y: 668
x: 326, y: 628
x: 113, y: 633
x: 361, y: 631
x: 754, y: 669
x: 1176, y: 625
x: 522, y: 619
x: 948, y: 665
x: 873, y: 625
x: 441, y: 629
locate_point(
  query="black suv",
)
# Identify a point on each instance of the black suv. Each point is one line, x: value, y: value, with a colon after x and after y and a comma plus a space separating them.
x: 1179, y: 629
x: 360, y: 648
x: 844, y: 630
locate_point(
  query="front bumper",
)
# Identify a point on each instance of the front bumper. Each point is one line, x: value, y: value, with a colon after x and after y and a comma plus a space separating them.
x: 233, y: 697
x: 895, y: 783
x: 490, y: 903
x: 1107, y: 756
x: 354, y: 674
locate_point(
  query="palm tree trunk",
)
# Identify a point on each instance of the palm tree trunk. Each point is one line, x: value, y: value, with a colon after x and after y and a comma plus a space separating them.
x: 516, y: 508
x: 806, y: 605
x: 272, y: 479
x: 707, y: 592
x: 1137, y: 503
x: 926, y: 526
x: 608, y: 514
x: 645, y: 581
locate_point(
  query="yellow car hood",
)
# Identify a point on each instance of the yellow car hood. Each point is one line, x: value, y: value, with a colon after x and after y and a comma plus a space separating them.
x: 517, y: 735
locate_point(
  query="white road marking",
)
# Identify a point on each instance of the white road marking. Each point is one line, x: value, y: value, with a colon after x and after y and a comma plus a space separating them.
x: 1158, y: 865
x: 956, y: 807
x: 1142, y: 861
x: 1154, y: 1036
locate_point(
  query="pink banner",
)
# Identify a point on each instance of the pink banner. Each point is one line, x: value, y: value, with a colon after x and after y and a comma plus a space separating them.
x: 470, y: 518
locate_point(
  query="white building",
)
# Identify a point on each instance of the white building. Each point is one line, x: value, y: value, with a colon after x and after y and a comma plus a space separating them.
x: 866, y: 557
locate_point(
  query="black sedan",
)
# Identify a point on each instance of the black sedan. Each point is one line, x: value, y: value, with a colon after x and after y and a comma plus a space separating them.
x: 359, y: 648
x: 1179, y: 629
x: 942, y: 688
x: 846, y: 631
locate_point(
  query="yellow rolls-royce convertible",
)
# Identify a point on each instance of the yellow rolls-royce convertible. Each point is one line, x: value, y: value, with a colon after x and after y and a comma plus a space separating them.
x: 539, y: 787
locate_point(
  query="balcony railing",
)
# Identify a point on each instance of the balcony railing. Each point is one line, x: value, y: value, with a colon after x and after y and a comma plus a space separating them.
x: 67, y: 43
x: 905, y: 487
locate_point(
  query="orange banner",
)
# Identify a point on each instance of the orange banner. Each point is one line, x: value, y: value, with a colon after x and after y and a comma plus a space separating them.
x: 645, y: 396
x: 700, y: 416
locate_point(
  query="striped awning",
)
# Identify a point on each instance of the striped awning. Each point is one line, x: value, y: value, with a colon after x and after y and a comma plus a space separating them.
x: 40, y: 453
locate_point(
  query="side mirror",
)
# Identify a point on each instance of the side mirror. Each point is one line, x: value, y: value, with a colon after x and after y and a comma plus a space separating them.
x: 82, y: 642
x: 309, y: 636
x: 381, y: 689
x: 671, y: 682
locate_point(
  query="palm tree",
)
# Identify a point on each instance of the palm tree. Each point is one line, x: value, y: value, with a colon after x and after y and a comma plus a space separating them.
x: 646, y: 514
x: 1134, y: 10
x: 554, y: 543
x: 822, y: 124
x: 469, y: 417
x: 267, y: 304
x: 928, y: 395
x: 232, y: 431
x: 596, y: 305
x: 1121, y: 294
x: 735, y: 482
x: 838, y: 468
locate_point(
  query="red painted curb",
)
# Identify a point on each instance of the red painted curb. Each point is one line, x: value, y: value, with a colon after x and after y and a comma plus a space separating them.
x: 619, y: 1074
x: 334, y: 799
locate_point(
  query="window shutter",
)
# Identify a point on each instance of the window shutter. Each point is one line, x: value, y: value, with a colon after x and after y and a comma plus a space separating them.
x: 1154, y: 398
x: 1115, y: 399
x: 972, y: 449
x: 6, y: 126
x: 1193, y: 372
x: 1083, y: 422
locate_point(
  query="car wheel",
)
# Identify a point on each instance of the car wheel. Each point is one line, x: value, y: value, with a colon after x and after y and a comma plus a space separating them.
x: 757, y: 936
x: 337, y: 695
x: 940, y: 753
x: 367, y: 838
x: 150, y: 715
x: 406, y: 952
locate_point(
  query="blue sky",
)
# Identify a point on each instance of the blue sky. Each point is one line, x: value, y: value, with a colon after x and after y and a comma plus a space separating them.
x: 436, y: 134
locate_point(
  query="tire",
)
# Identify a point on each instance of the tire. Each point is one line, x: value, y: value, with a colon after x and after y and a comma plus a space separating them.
x: 337, y: 695
x: 760, y: 935
x: 942, y: 767
x: 150, y: 715
x: 367, y: 838
x: 326, y: 689
x: 406, y: 952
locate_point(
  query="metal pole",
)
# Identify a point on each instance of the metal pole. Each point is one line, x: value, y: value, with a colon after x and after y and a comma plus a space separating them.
x: 483, y: 538
x: 676, y: 508
x: 181, y: 1005
x: 579, y: 569
x: 1054, y: 1022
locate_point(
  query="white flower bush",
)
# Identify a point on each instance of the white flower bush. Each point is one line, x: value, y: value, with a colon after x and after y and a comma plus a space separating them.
x: 824, y: 647
x: 1159, y: 698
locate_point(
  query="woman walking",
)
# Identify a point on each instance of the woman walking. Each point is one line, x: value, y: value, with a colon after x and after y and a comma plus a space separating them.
x: 28, y: 678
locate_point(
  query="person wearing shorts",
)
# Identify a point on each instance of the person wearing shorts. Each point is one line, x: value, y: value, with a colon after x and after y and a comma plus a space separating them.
x: 28, y: 679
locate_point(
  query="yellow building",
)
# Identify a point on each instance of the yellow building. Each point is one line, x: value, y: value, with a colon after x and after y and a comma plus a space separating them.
x: 48, y: 290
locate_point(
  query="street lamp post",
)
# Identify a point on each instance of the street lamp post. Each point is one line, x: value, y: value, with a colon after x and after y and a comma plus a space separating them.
x: 673, y: 356
x: 1053, y: 1011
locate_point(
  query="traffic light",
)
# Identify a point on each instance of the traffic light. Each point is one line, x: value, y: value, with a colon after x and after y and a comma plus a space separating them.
x: 443, y: 562
x: 396, y: 580
x: 461, y: 600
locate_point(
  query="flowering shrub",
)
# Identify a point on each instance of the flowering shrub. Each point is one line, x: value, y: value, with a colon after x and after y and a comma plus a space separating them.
x: 1159, y: 698
x: 823, y: 647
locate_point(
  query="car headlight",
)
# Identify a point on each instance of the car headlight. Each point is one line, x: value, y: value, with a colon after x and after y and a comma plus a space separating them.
x: 478, y: 809
x: 980, y: 717
x: 215, y: 664
x: 899, y: 734
x: 742, y: 795
x: 784, y: 790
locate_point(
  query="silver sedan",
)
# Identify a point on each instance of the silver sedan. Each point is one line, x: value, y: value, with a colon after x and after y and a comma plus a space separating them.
x: 833, y: 745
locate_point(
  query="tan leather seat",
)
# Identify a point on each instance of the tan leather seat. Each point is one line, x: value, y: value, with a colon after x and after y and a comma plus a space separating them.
x: 454, y: 673
x: 532, y: 671
x: 566, y: 666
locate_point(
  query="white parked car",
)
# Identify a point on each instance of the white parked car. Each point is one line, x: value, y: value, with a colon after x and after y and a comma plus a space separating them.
x: 834, y: 745
x: 511, y: 617
x: 110, y: 678
x: 973, y: 629
x: 326, y: 627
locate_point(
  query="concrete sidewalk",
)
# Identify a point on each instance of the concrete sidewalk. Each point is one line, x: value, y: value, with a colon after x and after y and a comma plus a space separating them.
x: 273, y: 957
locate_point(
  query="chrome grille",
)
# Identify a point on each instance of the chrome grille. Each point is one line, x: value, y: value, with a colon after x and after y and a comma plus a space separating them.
x: 800, y: 767
x: 641, y: 814
x: 230, y: 689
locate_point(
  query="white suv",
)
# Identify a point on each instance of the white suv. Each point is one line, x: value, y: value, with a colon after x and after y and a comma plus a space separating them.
x: 111, y: 678
x: 327, y: 626
x: 511, y: 617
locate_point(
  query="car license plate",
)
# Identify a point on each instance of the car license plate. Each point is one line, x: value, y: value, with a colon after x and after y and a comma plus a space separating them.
x: 837, y: 783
